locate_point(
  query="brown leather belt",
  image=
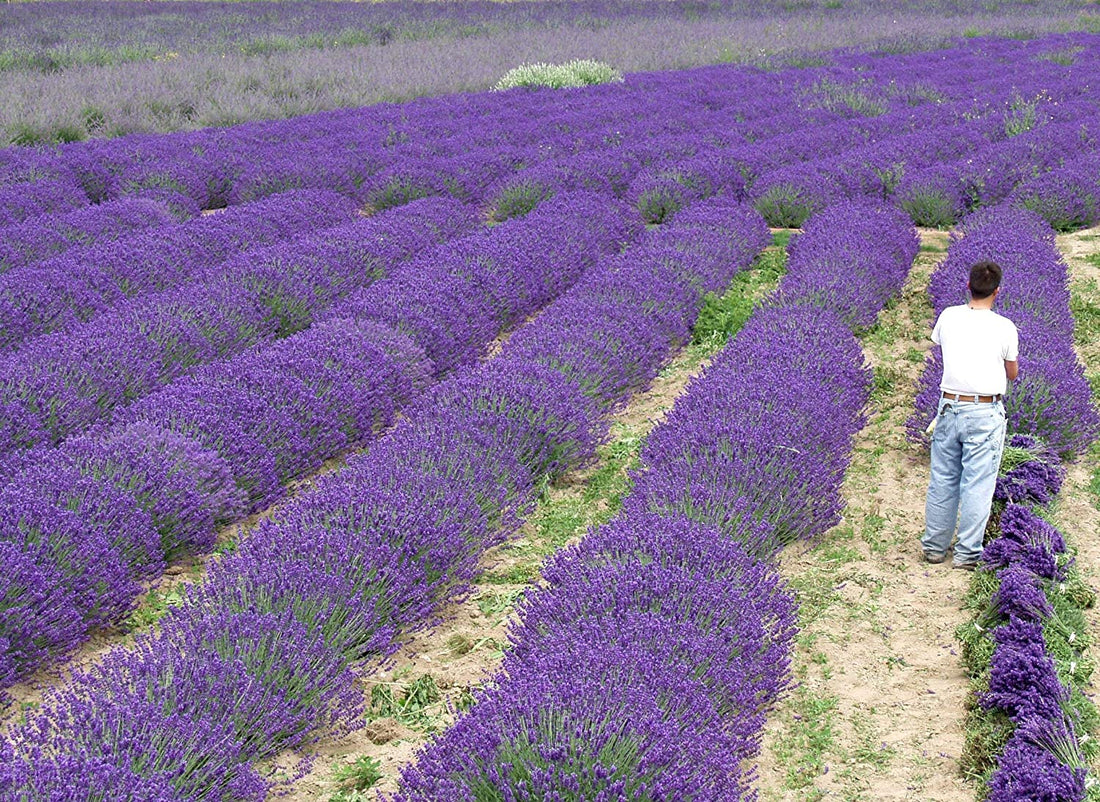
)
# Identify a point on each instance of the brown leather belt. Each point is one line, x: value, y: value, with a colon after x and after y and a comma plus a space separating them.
x: 981, y: 399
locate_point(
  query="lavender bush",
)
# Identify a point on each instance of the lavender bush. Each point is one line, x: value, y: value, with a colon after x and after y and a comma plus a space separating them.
x: 32, y: 240
x: 340, y: 571
x: 70, y: 381
x: 646, y: 665
x: 232, y: 435
x: 60, y: 293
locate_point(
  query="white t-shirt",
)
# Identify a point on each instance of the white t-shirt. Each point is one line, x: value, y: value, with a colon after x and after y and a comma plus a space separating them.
x: 976, y: 344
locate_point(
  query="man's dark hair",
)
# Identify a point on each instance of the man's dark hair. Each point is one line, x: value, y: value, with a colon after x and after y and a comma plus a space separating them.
x: 985, y: 278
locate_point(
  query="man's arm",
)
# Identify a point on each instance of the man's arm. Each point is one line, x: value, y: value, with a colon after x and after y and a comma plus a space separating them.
x: 1012, y: 369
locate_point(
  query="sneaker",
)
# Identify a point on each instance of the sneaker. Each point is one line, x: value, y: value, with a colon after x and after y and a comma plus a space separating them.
x: 965, y: 566
x: 935, y: 559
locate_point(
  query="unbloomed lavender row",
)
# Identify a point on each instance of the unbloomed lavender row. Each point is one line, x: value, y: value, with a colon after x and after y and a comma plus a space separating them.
x: 60, y: 293
x: 60, y: 384
x: 257, y: 659
x: 161, y: 95
x: 1051, y: 399
x: 646, y: 666
x: 83, y: 523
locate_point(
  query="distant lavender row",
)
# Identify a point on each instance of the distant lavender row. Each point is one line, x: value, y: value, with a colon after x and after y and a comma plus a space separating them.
x: 60, y: 293
x: 60, y: 384
x: 657, y: 189
x: 162, y: 95
x: 938, y: 174
x: 87, y: 521
x: 646, y: 666
x: 342, y: 150
x: 1051, y: 399
x: 39, y: 237
x: 257, y: 659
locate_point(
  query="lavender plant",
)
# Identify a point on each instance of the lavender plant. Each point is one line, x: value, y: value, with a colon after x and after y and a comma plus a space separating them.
x: 339, y: 573
x: 643, y: 669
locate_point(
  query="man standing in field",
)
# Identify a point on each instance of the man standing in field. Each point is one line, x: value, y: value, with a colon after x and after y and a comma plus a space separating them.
x: 979, y: 358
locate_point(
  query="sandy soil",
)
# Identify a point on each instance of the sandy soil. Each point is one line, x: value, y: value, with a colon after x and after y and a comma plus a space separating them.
x: 1076, y: 511
x: 877, y: 650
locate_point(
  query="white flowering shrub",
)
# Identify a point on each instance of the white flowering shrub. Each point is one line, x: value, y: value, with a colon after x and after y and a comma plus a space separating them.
x: 579, y: 72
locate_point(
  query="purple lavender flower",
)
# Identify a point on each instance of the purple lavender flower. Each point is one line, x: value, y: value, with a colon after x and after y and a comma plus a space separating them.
x: 1028, y: 772
x: 1020, y: 595
x: 1022, y: 678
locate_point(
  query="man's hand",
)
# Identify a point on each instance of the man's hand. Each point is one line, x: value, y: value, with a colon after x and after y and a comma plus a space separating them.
x: 1012, y: 369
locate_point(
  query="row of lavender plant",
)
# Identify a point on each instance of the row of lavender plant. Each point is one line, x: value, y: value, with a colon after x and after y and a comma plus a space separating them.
x: 85, y: 523
x: 658, y: 177
x: 386, y: 150
x: 47, y: 235
x: 55, y: 385
x: 33, y: 198
x: 60, y: 293
x: 258, y: 659
x: 646, y: 666
x: 60, y: 384
x: 1025, y: 651
x: 1067, y: 197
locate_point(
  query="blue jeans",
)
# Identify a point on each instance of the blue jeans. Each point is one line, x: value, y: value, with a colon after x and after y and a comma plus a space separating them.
x: 966, y: 455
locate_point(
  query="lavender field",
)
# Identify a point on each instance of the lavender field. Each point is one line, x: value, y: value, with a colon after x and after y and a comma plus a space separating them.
x: 73, y: 70
x: 277, y: 395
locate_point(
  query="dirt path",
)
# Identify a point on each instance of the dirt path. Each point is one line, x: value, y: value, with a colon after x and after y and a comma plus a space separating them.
x: 878, y: 710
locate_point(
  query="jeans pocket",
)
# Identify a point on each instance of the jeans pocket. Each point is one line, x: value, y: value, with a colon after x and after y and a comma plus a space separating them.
x: 988, y: 424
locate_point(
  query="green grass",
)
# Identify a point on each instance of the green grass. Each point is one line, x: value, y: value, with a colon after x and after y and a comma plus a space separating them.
x: 416, y: 703
x: 355, y: 779
x: 808, y: 735
x: 565, y: 514
x: 782, y: 239
x: 723, y: 315
x: 151, y: 608
x: 1084, y: 303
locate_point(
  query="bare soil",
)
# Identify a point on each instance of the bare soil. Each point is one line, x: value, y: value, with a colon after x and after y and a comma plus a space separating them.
x: 1076, y: 510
